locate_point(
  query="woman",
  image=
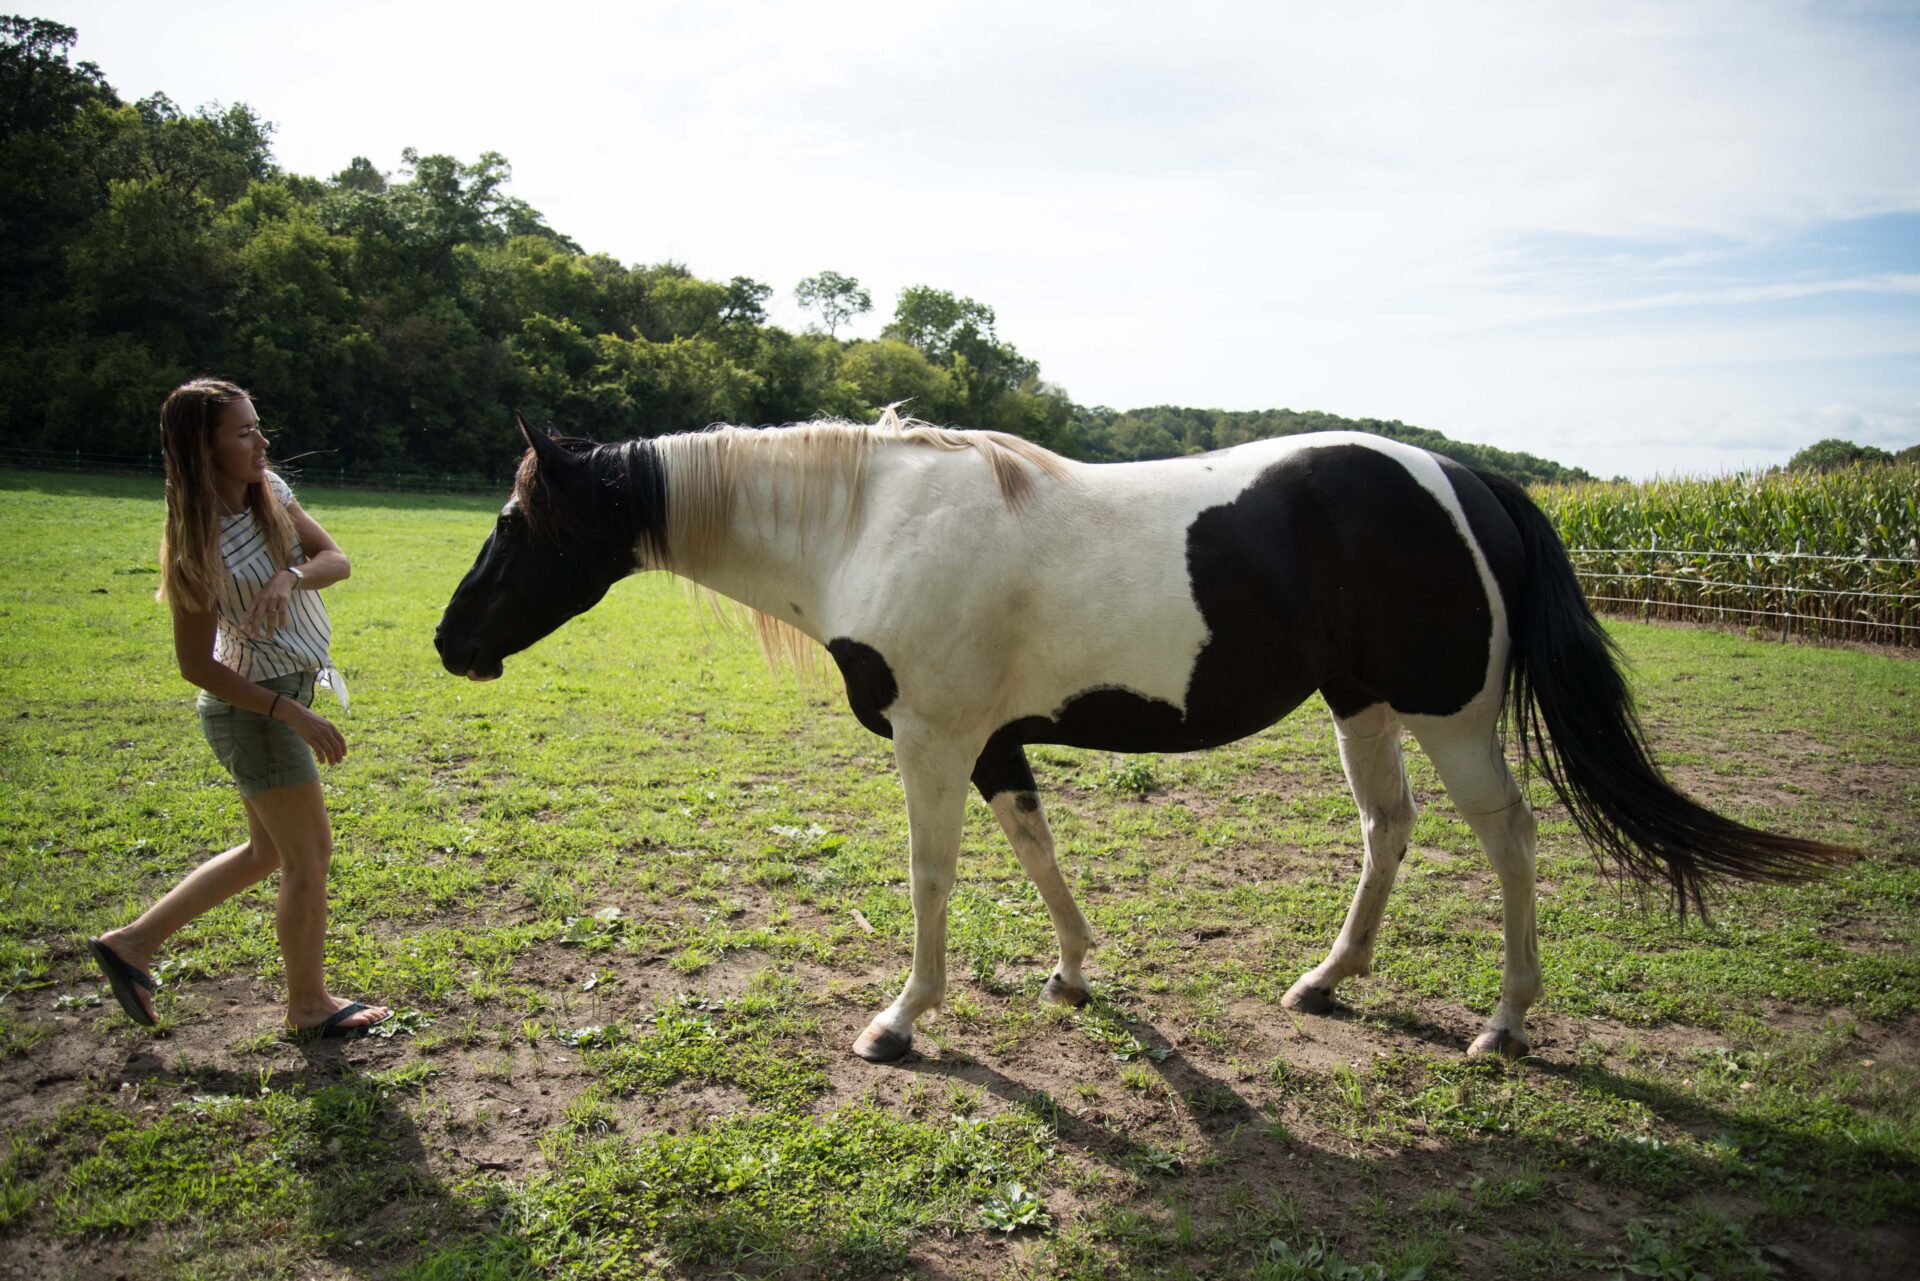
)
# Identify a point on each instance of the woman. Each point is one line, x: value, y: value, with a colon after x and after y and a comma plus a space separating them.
x: 242, y: 567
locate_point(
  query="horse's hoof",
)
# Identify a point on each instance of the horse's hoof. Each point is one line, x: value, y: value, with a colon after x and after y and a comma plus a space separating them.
x: 1308, y: 998
x: 1497, y: 1040
x: 1059, y: 992
x: 881, y: 1045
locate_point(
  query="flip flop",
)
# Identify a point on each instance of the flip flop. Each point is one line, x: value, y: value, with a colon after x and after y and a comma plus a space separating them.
x: 124, y: 978
x: 332, y: 1028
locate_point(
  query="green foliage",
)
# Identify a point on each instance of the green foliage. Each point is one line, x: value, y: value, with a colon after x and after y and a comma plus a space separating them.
x: 386, y: 321
x: 1013, y: 1207
x: 837, y: 298
x: 708, y: 1042
x: 1107, y: 435
x: 1135, y: 778
x: 1701, y: 1247
x: 1825, y: 455
x: 785, y: 1192
x: 1315, y: 1260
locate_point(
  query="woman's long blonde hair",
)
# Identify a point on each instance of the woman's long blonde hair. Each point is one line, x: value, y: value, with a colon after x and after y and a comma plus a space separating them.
x: 190, y: 564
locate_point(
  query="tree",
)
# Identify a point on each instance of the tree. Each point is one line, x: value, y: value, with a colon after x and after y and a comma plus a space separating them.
x: 957, y: 334
x: 746, y: 303
x: 889, y: 371
x: 1825, y: 455
x: 938, y: 322
x: 38, y: 90
x: 837, y: 298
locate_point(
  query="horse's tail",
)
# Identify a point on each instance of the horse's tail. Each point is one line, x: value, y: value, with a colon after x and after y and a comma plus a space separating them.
x: 1576, y: 722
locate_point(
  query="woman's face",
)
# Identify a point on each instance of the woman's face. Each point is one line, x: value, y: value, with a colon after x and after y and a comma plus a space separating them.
x: 239, y: 450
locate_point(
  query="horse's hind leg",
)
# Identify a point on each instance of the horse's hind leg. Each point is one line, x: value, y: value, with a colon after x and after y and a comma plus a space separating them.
x: 1465, y: 750
x: 1003, y: 777
x: 1370, y: 752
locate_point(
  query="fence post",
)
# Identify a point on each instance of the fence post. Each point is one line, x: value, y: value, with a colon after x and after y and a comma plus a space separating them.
x: 1646, y: 584
x: 1793, y: 570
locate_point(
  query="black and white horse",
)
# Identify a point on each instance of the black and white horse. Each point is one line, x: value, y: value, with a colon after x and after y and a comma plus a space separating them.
x: 980, y: 593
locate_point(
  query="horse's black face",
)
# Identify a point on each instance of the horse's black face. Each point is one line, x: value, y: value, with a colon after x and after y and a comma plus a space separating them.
x: 525, y: 584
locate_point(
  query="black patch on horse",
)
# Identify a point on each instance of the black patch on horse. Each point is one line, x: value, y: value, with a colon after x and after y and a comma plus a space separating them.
x: 1336, y: 571
x: 870, y: 685
x: 1003, y: 767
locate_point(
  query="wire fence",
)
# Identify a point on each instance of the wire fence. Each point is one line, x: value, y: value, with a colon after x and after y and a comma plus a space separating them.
x: 1812, y: 594
x: 416, y: 482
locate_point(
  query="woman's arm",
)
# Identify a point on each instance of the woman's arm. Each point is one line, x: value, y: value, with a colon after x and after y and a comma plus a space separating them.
x: 193, y: 636
x: 326, y: 565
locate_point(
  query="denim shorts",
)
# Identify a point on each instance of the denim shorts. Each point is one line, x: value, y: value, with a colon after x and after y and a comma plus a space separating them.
x: 261, y: 754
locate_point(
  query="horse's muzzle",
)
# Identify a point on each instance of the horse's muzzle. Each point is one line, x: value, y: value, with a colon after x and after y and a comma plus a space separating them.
x: 467, y: 660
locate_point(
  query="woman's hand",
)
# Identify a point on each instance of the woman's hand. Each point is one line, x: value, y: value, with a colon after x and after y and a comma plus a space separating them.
x: 328, y: 743
x: 270, y: 608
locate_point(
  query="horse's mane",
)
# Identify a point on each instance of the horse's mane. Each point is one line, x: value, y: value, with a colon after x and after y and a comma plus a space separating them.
x: 628, y: 489
x: 704, y: 469
x: 679, y: 490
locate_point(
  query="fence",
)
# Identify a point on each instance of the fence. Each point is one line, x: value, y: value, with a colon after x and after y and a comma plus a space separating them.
x: 1871, y: 598
x: 306, y: 474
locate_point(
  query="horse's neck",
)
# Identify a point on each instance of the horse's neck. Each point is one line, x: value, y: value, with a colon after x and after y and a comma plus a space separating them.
x: 762, y: 530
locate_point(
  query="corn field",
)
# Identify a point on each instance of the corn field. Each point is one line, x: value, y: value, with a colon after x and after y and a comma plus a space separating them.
x: 1833, y: 554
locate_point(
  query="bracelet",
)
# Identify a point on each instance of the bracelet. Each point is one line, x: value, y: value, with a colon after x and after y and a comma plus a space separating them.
x: 274, y: 705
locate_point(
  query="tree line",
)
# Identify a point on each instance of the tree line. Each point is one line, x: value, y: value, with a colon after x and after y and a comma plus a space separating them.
x: 395, y: 320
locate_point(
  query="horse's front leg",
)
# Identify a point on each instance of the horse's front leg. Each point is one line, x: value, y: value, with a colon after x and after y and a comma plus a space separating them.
x: 934, y: 770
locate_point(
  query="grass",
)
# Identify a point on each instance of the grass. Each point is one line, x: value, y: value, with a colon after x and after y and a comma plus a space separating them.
x: 637, y: 897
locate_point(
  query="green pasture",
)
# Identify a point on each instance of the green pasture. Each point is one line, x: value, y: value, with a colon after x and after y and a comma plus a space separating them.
x: 635, y: 899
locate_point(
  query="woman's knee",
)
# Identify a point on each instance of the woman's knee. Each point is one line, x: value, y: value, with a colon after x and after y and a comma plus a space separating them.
x: 307, y: 858
x: 293, y: 824
x: 262, y: 855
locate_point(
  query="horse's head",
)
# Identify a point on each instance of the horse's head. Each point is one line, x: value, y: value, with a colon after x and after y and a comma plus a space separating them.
x: 573, y: 528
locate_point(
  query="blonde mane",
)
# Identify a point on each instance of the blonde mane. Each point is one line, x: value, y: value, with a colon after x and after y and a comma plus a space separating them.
x: 704, y: 471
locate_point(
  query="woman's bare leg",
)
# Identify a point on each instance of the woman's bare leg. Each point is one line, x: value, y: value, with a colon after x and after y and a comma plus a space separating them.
x: 296, y: 820
x: 205, y: 888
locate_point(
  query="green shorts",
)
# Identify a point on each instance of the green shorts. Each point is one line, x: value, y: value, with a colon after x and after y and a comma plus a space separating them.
x: 261, y: 754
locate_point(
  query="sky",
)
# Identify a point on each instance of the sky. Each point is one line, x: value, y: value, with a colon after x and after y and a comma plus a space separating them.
x: 1642, y: 238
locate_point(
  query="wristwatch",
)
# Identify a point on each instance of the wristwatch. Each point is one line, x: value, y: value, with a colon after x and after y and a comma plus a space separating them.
x: 298, y: 577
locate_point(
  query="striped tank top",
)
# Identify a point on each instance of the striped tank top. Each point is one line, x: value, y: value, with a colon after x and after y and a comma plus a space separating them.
x: 301, y: 644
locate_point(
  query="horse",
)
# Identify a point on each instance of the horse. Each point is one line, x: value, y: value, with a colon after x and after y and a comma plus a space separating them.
x: 979, y: 593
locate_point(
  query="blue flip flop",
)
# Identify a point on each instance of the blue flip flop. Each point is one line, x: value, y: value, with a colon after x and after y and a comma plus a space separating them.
x: 332, y: 1028
x: 124, y: 978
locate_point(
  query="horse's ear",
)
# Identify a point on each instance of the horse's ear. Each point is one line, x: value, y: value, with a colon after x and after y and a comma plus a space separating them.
x: 541, y: 442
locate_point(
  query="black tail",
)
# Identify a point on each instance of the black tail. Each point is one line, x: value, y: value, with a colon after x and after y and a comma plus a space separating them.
x: 1577, y: 724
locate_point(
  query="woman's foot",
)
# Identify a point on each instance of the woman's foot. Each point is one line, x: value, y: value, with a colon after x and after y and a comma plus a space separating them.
x: 310, y: 1018
x: 132, y: 952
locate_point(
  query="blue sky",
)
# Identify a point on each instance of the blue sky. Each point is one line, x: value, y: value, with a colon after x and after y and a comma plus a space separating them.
x: 1640, y: 237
